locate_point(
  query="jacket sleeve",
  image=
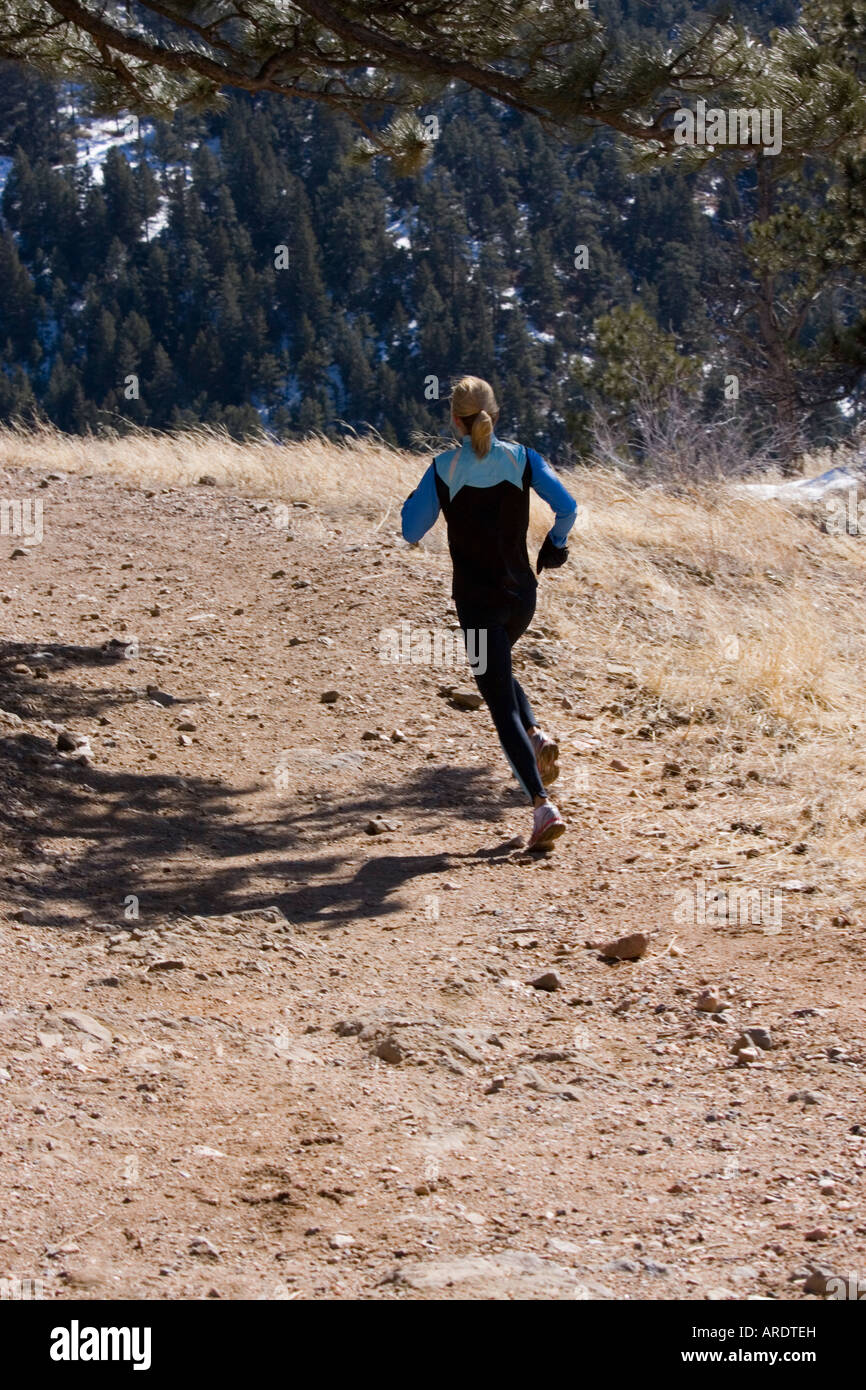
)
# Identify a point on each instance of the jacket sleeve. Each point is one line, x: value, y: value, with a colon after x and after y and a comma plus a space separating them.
x: 422, y: 508
x: 556, y: 495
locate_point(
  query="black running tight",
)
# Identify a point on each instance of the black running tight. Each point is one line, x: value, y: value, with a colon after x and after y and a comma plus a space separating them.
x: 492, y: 633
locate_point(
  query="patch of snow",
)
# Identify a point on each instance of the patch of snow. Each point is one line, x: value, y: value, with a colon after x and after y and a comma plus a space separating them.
x: 157, y: 223
x: 99, y: 134
x: 5, y: 171
x: 398, y: 230
x: 805, y: 489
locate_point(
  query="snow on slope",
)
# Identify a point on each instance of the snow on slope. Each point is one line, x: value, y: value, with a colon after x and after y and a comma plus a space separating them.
x: 806, y: 489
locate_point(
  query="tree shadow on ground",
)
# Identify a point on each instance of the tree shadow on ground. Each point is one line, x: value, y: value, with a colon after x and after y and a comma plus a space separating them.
x: 80, y: 841
x: 30, y: 695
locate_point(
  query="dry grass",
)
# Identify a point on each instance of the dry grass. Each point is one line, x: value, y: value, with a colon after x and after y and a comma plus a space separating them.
x: 742, y: 618
x: 341, y: 479
x: 719, y: 602
x: 741, y: 615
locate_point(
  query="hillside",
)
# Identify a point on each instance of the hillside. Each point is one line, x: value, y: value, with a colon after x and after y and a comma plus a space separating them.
x: 247, y: 275
x: 237, y: 267
x: 314, y: 1064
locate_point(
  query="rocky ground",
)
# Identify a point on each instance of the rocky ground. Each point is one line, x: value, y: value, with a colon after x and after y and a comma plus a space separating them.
x: 286, y: 1012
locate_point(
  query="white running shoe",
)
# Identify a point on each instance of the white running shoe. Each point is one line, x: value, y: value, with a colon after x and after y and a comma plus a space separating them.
x: 547, y: 825
x: 546, y: 756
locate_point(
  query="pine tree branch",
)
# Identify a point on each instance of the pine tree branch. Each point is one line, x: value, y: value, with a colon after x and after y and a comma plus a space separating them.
x: 546, y: 61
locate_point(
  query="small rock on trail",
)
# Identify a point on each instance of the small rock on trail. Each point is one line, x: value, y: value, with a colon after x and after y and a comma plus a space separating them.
x: 466, y: 699
x: 630, y: 947
x: 710, y: 1002
x: 86, y: 1024
x: 548, y: 981
x: 389, y: 1050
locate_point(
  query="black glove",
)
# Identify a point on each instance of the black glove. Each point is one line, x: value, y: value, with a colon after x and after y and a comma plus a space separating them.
x: 551, y: 556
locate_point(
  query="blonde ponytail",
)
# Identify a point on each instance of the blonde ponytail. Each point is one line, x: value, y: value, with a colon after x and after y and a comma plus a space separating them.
x: 481, y: 434
x: 474, y: 404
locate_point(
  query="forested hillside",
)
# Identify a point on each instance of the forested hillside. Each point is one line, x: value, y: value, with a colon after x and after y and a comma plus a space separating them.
x: 237, y: 267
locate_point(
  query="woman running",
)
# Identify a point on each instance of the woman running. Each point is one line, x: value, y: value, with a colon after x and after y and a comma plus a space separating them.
x: 482, y: 488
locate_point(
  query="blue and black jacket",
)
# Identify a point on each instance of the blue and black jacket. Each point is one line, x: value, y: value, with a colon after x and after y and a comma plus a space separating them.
x: 485, y: 503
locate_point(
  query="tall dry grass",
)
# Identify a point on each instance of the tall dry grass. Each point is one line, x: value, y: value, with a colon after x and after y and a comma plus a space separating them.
x: 359, y: 476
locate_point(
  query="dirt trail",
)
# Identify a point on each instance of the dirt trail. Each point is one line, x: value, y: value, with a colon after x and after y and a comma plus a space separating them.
x: 314, y: 1064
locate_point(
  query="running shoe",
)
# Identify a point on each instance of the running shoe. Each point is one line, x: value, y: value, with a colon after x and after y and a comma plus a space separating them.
x: 547, y: 826
x: 546, y: 755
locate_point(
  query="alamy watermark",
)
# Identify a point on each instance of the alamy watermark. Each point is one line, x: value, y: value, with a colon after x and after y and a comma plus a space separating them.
x: 419, y: 646
x: 845, y: 514
x: 22, y: 518
x: 712, y: 126
x: 77, y: 1343
x: 704, y: 905
x: 21, y: 1288
x: 853, y: 1288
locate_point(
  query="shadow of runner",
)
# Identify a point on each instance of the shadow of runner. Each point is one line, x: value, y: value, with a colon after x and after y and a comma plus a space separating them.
x: 435, y: 799
x: 444, y: 793
x: 364, y: 896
